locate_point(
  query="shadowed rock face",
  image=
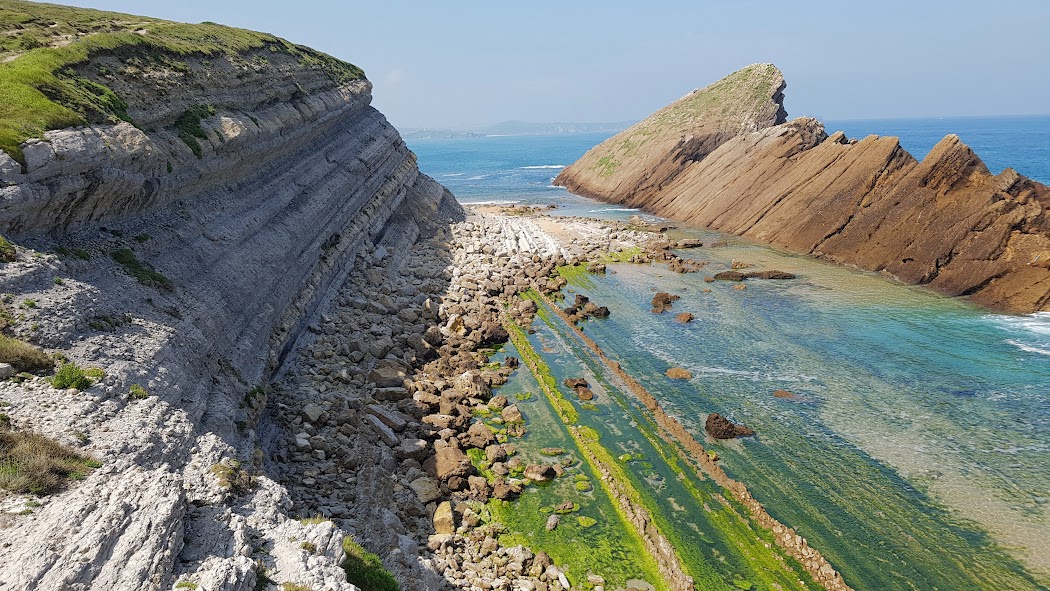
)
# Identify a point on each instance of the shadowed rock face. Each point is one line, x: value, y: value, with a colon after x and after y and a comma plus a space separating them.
x: 946, y: 221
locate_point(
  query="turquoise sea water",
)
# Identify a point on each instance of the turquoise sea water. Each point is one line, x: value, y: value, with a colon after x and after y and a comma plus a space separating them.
x: 917, y: 450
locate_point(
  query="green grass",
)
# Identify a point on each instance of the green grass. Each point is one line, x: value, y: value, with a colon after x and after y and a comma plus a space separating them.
x: 45, y: 88
x: 140, y: 271
x: 365, y: 570
x: 32, y: 463
x: 23, y: 356
x: 78, y: 253
x: 7, y: 250
x: 189, y: 127
x: 137, y: 392
x: 70, y: 375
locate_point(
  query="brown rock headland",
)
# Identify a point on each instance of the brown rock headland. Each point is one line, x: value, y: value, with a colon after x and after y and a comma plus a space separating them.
x: 735, y: 165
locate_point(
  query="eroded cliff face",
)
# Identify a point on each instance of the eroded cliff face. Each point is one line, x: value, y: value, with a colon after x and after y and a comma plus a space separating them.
x: 945, y: 222
x: 293, y: 178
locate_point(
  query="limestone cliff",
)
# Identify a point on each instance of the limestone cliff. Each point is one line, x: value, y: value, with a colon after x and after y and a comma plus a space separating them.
x: 245, y: 175
x: 945, y: 222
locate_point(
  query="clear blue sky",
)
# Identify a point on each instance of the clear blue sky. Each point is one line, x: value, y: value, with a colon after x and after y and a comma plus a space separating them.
x: 443, y: 64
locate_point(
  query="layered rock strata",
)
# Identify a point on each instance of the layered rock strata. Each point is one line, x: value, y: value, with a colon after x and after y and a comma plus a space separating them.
x: 239, y: 241
x: 946, y: 222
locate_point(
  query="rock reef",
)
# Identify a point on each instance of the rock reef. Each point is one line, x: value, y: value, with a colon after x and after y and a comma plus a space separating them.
x: 946, y: 221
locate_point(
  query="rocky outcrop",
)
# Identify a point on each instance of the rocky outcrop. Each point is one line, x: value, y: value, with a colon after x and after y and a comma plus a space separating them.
x: 297, y: 178
x: 640, y: 160
x: 946, y: 222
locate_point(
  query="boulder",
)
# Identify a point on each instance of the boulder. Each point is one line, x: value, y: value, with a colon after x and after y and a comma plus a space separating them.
x: 478, y: 435
x: 662, y: 301
x: 684, y: 317
x: 552, y: 522
x: 540, y: 473
x: 426, y: 488
x: 388, y: 374
x: 575, y: 383
x: 444, y: 519
x: 512, y: 414
x: 450, y: 460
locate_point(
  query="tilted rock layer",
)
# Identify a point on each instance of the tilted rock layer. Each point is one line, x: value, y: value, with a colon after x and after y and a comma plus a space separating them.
x: 254, y: 210
x: 945, y: 222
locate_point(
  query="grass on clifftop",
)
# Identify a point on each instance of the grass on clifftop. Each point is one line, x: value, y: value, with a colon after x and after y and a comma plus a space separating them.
x: 41, y: 44
x: 32, y: 463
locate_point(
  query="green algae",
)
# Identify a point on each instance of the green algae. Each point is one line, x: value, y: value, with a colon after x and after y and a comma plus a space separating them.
x: 732, y: 548
x: 597, y: 540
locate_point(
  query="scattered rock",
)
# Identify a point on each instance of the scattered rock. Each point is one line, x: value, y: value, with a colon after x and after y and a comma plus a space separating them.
x: 684, y: 317
x: 662, y: 301
x: 677, y: 373
x: 720, y: 427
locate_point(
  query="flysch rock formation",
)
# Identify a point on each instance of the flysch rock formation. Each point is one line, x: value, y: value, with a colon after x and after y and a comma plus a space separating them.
x: 297, y: 177
x: 946, y: 222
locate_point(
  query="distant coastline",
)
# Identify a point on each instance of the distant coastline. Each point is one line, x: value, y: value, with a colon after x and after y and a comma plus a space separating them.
x: 513, y: 128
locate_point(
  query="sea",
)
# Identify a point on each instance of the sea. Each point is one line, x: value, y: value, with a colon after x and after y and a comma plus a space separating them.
x: 914, y: 448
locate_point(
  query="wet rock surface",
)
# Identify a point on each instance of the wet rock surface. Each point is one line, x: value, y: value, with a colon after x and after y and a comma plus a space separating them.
x: 720, y: 427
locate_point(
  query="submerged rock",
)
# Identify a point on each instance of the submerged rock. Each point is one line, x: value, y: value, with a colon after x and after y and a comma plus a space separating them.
x: 677, y: 373
x: 662, y: 301
x: 720, y: 427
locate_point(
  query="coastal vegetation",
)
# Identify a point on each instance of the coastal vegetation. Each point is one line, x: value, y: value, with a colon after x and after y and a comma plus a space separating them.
x: 43, y: 49
x: 365, y: 570
x: 34, y: 464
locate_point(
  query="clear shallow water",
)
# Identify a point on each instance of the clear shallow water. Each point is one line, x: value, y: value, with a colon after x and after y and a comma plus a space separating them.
x: 916, y: 454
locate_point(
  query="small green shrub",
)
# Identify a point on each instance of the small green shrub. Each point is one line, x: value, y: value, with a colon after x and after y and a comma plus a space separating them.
x: 313, y: 520
x: 32, y: 463
x: 70, y: 375
x: 185, y: 585
x: 309, y: 547
x: 233, y: 477
x: 7, y: 251
x: 77, y: 253
x: 140, y: 271
x: 189, y: 128
x: 365, y: 570
x: 23, y: 356
x: 295, y: 587
x: 28, y: 303
x: 59, y: 281
x: 140, y: 238
x: 5, y: 421
x: 585, y: 521
x: 137, y: 392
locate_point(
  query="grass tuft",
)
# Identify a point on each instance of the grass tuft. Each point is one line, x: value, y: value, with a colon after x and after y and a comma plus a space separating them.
x: 139, y: 270
x: 365, y: 570
x: 32, y: 463
x: 7, y: 251
x: 137, y: 392
x: 70, y: 375
x: 23, y: 356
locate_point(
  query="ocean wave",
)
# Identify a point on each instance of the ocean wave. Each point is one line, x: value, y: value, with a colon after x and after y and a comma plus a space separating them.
x: 451, y: 174
x: 1029, y: 348
x: 542, y: 166
x: 478, y: 177
x: 1038, y: 323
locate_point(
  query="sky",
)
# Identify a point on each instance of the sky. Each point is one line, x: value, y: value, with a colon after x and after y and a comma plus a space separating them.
x: 472, y: 63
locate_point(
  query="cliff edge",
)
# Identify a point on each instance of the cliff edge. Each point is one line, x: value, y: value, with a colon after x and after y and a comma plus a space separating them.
x: 183, y: 201
x: 946, y: 222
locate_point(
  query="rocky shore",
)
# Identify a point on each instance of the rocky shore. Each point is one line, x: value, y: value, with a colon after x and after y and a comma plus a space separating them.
x: 373, y: 420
